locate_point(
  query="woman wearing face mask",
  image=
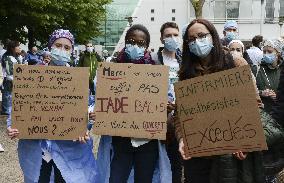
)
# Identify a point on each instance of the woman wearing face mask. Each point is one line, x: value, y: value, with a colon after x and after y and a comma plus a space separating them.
x: 203, y: 54
x: 9, y: 59
x: 269, y: 73
x: 45, y: 58
x: 132, y: 159
x: 71, y: 161
x: 237, y: 49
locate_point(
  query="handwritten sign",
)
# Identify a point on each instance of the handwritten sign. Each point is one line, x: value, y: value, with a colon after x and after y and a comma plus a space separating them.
x: 219, y: 114
x: 131, y: 100
x: 50, y: 102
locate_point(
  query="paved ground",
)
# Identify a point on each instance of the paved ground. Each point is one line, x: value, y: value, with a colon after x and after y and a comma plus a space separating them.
x: 10, y: 171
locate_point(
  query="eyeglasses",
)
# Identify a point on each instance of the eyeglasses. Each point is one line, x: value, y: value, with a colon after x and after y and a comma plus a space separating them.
x: 200, y: 35
x: 140, y: 43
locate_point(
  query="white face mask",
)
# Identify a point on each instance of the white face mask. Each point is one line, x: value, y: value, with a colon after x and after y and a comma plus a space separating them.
x: 90, y: 49
x: 236, y: 54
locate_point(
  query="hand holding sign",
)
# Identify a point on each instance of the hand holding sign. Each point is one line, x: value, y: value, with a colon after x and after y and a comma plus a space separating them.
x: 50, y: 102
x: 218, y: 114
x: 131, y: 100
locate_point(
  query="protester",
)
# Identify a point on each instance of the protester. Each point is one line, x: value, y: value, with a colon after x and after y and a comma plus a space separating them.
x: 203, y: 54
x: 142, y: 155
x: 255, y: 53
x: 24, y: 57
x: 71, y: 161
x: 4, y: 48
x: 237, y: 49
x: 170, y: 55
x: 269, y: 73
x: 274, y: 158
x: 90, y: 59
x: 10, y: 58
x: 46, y: 58
x: 33, y: 58
x: 1, y: 149
x: 230, y: 32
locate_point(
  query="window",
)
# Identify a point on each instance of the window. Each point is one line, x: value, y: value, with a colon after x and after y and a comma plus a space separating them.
x: 152, y: 11
x: 230, y: 9
x: 269, y: 9
x: 173, y: 19
x: 152, y: 19
x: 281, y: 11
x: 173, y: 10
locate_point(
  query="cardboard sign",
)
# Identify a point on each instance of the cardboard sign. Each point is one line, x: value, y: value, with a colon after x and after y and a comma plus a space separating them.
x: 131, y: 100
x: 50, y: 102
x: 218, y: 113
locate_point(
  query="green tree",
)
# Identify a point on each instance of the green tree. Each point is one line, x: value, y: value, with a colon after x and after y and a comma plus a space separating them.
x: 34, y: 20
x: 197, y: 5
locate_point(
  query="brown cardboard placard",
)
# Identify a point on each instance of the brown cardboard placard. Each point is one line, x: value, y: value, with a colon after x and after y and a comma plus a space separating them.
x: 218, y: 113
x: 131, y: 100
x: 50, y: 102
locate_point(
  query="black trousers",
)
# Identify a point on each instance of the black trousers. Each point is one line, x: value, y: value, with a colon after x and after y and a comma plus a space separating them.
x: 197, y: 170
x: 45, y: 172
x: 175, y: 159
x: 142, y: 158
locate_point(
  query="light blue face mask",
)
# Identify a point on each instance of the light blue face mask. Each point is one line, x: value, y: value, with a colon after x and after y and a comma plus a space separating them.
x: 134, y: 52
x: 231, y: 36
x: 59, y: 57
x: 201, y: 47
x: 269, y: 58
x: 171, y: 43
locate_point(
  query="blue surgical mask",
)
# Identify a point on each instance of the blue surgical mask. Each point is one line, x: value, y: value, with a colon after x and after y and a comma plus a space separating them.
x: 171, y: 43
x: 231, y: 36
x: 269, y: 58
x: 134, y: 52
x: 201, y: 47
x: 59, y: 57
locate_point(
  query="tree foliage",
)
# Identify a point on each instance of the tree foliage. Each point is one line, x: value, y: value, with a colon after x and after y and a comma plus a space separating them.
x: 197, y: 5
x: 34, y: 20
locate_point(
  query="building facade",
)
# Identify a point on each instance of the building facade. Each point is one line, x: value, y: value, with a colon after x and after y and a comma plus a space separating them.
x: 253, y: 16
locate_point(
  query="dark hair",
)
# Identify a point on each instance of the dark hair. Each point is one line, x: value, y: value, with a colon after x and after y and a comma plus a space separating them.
x: 168, y: 25
x: 31, y: 46
x: 256, y: 40
x: 140, y: 28
x: 220, y: 61
x: 5, y: 43
x: 11, y: 46
x: 88, y: 42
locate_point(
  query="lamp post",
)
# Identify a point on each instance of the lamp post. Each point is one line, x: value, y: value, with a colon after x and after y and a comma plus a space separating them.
x: 261, y: 16
x: 105, y: 26
x: 280, y: 24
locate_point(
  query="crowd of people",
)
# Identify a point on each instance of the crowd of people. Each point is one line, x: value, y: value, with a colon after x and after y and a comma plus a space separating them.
x: 200, y: 51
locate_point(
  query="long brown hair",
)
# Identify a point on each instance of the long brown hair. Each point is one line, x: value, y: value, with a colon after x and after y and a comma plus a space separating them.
x: 220, y: 61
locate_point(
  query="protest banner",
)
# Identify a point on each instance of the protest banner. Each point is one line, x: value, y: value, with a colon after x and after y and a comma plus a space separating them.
x: 131, y: 100
x: 219, y: 114
x: 50, y: 102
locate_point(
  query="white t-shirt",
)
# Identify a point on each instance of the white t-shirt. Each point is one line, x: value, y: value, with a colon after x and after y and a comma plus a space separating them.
x: 173, y: 75
x: 255, y: 54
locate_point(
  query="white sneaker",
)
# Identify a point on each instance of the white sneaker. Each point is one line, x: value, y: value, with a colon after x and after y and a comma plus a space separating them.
x: 1, y: 148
